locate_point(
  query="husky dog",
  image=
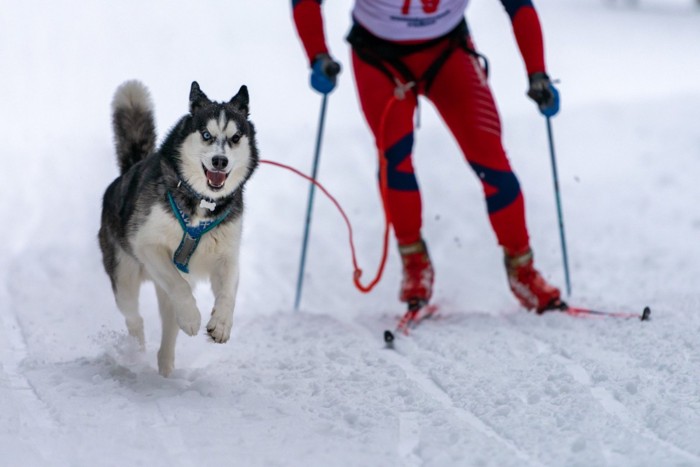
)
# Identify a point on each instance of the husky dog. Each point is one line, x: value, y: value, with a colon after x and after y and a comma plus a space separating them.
x: 174, y: 215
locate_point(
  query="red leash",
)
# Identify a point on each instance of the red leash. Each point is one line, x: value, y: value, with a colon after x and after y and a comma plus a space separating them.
x: 383, y: 188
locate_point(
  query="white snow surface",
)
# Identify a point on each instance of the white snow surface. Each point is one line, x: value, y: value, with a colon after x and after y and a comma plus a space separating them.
x: 485, y: 383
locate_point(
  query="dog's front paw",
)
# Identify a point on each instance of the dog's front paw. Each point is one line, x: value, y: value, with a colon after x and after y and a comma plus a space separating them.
x: 219, y: 328
x: 189, y: 320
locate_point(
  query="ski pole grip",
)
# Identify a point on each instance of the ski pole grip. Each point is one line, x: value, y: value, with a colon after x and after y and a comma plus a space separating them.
x: 332, y: 69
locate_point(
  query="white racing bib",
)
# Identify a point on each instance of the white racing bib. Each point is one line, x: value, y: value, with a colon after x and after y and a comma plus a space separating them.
x: 405, y: 20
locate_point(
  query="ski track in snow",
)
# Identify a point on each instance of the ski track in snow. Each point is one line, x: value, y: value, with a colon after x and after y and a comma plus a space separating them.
x: 431, y: 387
x: 606, y: 400
x: 36, y: 418
x: 34, y: 413
x: 33, y: 406
x: 400, y: 356
x: 412, y: 349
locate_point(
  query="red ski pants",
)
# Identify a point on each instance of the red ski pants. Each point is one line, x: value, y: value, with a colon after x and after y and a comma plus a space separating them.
x: 462, y: 97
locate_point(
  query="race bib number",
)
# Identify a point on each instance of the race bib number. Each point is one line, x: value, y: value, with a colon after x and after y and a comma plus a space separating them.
x: 429, y: 6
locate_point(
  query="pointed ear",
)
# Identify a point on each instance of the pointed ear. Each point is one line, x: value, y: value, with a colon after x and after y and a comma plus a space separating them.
x: 197, y: 98
x: 240, y: 101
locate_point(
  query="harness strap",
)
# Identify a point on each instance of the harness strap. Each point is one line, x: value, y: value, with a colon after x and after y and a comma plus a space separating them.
x: 434, y: 68
x: 191, y: 235
x: 372, y: 57
x: 383, y: 54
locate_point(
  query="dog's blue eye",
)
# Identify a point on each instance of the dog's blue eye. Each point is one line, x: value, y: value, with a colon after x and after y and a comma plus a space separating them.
x: 206, y: 135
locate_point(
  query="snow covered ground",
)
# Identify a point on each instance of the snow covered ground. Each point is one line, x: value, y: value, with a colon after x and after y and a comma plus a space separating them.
x: 483, y: 384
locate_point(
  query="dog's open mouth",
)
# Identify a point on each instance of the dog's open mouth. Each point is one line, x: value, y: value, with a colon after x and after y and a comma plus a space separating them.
x: 215, y: 179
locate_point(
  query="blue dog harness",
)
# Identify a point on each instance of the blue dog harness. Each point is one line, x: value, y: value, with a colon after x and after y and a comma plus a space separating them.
x: 191, y: 235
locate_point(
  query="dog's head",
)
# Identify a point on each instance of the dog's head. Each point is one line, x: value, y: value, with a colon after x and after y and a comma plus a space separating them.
x: 218, y: 151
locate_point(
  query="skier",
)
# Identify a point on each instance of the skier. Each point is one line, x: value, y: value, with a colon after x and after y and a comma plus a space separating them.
x: 402, y: 49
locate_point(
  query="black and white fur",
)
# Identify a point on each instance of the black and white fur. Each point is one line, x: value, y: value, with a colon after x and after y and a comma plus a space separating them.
x: 204, y: 162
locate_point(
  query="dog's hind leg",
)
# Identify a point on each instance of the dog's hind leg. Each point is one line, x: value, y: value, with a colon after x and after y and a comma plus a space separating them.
x: 224, y: 284
x: 166, y: 353
x: 127, y: 284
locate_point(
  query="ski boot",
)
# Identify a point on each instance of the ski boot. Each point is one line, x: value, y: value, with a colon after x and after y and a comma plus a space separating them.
x: 528, y: 285
x: 418, y: 274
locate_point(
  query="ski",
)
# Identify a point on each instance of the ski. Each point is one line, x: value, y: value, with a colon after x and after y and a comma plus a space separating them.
x: 418, y: 311
x: 645, y: 315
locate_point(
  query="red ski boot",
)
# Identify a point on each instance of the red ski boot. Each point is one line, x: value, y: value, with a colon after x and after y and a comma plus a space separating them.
x: 530, y: 288
x: 417, y: 282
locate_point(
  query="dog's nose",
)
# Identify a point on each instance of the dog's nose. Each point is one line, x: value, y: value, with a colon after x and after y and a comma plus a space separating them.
x: 219, y: 162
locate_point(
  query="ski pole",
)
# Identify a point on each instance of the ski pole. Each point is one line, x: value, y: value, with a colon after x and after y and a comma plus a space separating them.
x: 562, y: 237
x: 309, y: 206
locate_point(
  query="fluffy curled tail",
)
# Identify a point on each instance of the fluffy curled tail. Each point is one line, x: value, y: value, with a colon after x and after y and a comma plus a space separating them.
x: 133, y: 124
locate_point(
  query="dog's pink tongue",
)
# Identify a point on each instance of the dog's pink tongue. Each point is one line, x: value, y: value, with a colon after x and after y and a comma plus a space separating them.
x: 216, y: 179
